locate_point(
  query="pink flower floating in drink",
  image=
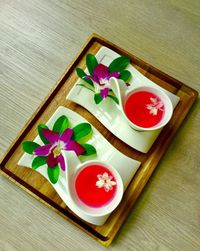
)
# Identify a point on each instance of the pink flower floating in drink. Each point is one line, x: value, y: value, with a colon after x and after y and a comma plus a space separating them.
x: 61, y: 137
x: 99, y: 75
x: 155, y: 106
x: 106, y: 181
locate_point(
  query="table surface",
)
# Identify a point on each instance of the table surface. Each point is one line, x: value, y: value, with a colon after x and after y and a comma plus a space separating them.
x: 38, y: 39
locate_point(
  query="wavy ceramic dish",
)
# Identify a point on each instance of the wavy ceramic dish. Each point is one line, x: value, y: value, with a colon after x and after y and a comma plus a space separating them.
x: 125, y: 166
x: 110, y: 115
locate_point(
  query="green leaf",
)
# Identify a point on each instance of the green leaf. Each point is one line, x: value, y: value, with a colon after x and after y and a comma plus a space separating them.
x: 40, y: 127
x: 81, y: 130
x: 39, y: 161
x: 119, y: 64
x: 82, y: 74
x: 89, y: 150
x: 86, y: 87
x: 91, y: 62
x: 125, y: 75
x: 29, y: 146
x: 88, y: 80
x: 53, y: 173
x: 61, y: 124
x: 115, y: 99
x: 98, y: 98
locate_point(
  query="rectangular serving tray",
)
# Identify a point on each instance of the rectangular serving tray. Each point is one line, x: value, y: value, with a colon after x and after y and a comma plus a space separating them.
x: 37, y: 186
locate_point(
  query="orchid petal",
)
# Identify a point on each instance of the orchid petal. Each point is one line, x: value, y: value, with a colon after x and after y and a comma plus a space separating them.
x: 114, y: 74
x: 74, y: 146
x: 50, y: 135
x: 61, y: 161
x: 42, y: 150
x: 66, y: 135
x: 101, y: 71
x: 104, y: 92
x: 51, y: 160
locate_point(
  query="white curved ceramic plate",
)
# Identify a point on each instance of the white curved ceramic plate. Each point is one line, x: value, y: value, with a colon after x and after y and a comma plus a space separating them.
x: 126, y: 166
x: 108, y: 113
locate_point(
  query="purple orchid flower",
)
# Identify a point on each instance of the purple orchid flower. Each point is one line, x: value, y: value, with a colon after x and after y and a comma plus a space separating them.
x: 101, y: 78
x: 58, y: 143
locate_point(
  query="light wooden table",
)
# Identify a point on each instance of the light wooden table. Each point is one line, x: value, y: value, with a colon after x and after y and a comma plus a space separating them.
x: 38, y: 39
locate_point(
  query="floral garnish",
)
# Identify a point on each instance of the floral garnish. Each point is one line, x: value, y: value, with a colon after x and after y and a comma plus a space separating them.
x: 58, y: 143
x: 105, y: 181
x: 101, y: 79
x: 61, y: 137
x: 155, y: 105
x: 99, y: 75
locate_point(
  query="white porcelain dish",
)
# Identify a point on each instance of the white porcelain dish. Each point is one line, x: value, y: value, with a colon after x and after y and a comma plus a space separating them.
x: 110, y: 115
x: 125, y: 166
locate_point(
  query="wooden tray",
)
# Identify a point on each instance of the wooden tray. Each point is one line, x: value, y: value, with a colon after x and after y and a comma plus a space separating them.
x: 36, y: 185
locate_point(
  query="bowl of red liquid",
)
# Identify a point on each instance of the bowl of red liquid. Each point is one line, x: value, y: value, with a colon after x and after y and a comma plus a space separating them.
x: 148, y: 108
x: 145, y: 108
x: 97, y: 188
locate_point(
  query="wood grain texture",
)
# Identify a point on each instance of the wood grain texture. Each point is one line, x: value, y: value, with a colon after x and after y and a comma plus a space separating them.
x: 37, y: 186
x: 38, y: 40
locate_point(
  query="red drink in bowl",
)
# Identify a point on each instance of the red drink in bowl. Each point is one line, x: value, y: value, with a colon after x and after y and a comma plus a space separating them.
x: 144, y: 109
x: 95, y: 185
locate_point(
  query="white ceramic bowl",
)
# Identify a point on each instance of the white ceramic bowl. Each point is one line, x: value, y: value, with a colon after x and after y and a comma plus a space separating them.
x: 168, y: 108
x: 91, y: 212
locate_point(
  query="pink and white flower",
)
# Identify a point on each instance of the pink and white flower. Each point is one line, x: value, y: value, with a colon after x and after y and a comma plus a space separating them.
x: 105, y: 181
x: 154, y: 106
x: 101, y: 79
x: 56, y: 145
